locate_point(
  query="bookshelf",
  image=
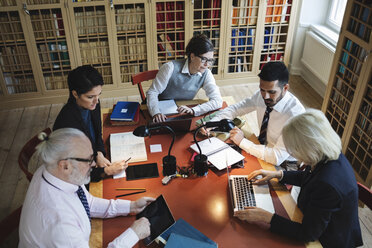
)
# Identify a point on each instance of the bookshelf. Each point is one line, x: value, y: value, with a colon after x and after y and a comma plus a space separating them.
x: 121, y: 38
x: 348, y: 100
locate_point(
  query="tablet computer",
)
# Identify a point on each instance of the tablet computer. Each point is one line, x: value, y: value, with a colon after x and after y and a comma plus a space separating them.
x: 141, y: 171
x: 159, y: 216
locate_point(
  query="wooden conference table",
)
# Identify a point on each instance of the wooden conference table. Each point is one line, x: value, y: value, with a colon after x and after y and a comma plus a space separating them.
x: 204, y: 202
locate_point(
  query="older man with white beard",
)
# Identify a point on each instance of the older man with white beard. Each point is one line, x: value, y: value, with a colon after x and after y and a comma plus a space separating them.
x: 58, y: 208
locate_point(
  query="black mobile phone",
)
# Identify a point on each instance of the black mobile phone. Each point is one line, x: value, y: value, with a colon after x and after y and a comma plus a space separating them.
x: 141, y: 171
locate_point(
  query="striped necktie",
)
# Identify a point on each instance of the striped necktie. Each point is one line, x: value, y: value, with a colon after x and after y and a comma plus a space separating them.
x: 83, y: 199
x: 265, y: 121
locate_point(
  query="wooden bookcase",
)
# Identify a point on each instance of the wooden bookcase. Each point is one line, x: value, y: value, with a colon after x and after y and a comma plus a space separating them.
x: 42, y: 40
x: 348, y: 100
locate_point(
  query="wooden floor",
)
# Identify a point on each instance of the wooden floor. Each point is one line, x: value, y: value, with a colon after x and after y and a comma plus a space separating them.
x: 17, y: 126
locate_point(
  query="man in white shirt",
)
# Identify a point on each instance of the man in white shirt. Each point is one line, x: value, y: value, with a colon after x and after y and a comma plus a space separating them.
x: 274, y: 95
x: 57, y: 208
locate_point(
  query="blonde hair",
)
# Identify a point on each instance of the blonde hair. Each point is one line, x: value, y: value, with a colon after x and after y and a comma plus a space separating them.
x: 309, y: 137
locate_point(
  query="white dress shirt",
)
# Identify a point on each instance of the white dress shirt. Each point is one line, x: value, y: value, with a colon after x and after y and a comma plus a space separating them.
x: 161, y: 81
x: 274, y: 152
x: 53, y: 215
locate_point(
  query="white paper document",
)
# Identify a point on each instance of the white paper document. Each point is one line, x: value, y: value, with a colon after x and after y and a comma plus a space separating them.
x: 218, y: 152
x: 155, y: 148
x: 168, y: 107
x: 126, y: 145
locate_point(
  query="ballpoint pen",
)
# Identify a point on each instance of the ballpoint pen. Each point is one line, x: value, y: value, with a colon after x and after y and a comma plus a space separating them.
x: 126, y: 161
x: 133, y: 193
x: 130, y: 189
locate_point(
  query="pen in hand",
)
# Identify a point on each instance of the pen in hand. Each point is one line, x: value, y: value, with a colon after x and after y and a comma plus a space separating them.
x: 126, y: 161
x: 207, y: 132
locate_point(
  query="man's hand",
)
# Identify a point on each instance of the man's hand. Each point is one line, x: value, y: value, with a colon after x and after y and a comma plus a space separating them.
x: 159, y: 118
x: 116, y: 167
x: 263, y: 176
x: 101, y: 160
x: 137, y: 206
x: 236, y: 135
x: 183, y: 109
x: 141, y: 227
x: 253, y: 214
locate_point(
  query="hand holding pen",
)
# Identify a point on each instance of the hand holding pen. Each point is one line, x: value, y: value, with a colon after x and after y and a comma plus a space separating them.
x: 116, y: 167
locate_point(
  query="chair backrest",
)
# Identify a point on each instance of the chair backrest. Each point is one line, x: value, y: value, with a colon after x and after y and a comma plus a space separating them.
x: 365, y: 195
x: 141, y: 77
x: 27, y: 151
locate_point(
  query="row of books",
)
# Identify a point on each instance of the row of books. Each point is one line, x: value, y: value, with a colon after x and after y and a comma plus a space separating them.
x: 8, y: 3
x: 132, y: 48
x: 171, y: 44
x: 14, y: 58
x: 245, y: 40
x: 359, y: 24
x: 130, y: 19
x: 47, y: 24
x: 272, y: 56
x: 19, y: 84
x: 241, y: 63
x: 54, y: 54
x: 363, y: 120
x: 10, y: 27
x: 56, y: 81
x: 126, y: 71
x: 91, y: 22
x: 213, y: 12
x: 95, y: 52
x: 244, y: 12
x: 170, y: 15
x: 278, y: 11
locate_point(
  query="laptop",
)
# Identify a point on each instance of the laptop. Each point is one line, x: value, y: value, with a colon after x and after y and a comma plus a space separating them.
x: 245, y: 194
x: 179, y: 124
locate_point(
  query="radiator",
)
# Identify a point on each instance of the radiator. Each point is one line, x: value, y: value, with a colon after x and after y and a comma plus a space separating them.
x: 317, y: 56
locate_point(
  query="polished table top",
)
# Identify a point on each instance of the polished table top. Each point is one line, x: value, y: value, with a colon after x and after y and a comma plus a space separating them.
x: 204, y: 202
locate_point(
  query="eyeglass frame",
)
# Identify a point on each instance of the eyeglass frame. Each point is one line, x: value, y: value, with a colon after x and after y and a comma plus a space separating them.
x: 210, y: 62
x: 89, y: 161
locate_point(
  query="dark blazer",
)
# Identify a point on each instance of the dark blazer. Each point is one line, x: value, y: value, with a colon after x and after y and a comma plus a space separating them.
x: 329, y: 202
x: 70, y: 116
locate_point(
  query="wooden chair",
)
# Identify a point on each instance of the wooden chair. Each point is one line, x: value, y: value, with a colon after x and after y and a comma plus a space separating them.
x: 9, y: 224
x: 27, y: 151
x: 365, y: 195
x: 138, y: 78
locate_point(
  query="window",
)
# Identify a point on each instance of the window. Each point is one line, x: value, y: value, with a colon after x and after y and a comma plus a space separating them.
x: 336, y: 14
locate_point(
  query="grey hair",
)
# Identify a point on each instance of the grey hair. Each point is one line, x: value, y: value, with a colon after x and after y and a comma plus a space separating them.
x: 310, y: 138
x: 57, y: 146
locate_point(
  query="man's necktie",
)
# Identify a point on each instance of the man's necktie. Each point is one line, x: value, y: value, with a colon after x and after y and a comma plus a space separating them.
x: 265, y: 121
x: 83, y: 199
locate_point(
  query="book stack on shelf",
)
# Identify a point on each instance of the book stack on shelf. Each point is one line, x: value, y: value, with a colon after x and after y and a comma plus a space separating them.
x: 125, y: 113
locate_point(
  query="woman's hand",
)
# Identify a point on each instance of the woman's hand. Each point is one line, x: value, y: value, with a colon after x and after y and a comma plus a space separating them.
x: 263, y: 176
x: 101, y: 161
x: 159, y: 118
x: 253, y: 214
x: 137, y: 206
x: 183, y: 109
x: 116, y: 167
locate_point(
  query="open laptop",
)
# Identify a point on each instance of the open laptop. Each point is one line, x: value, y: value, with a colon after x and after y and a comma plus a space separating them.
x: 179, y: 124
x: 245, y: 194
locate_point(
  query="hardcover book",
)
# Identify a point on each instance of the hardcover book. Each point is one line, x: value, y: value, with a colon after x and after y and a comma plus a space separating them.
x: 124, y: 111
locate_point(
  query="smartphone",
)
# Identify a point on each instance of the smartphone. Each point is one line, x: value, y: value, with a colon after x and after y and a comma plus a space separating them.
x: 141, y: 171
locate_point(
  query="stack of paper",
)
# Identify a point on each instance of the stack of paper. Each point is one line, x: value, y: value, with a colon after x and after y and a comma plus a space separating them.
x: 126, y: 145
x: 218, y: 152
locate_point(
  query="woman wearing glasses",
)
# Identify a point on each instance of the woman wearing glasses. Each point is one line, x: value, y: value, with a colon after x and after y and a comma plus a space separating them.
x: 83, y: 112
x: 182, y: 79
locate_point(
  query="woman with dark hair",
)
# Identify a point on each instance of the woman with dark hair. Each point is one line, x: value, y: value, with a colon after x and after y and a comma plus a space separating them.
x: 83, y: 112
x: 182, y: 79
x: 329, y: 191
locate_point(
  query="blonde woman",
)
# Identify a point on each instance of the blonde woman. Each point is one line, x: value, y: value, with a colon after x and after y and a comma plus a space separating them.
x: 329, y: 193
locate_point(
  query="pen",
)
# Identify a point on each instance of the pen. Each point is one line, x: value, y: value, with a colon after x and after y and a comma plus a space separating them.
x: 130, y: 189
x: 126, y: 161
x: 138, y: 192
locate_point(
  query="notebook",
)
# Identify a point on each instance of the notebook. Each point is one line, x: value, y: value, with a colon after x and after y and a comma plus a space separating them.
x: 168, y: 107
x: 124, y: 111
x: 245, y: 194
x: 179, y: 124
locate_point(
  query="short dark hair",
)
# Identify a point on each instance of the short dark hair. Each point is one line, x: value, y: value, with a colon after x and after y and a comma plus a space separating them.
x: 273, y: 71
x: 83, y: 79
x: 199, y: 44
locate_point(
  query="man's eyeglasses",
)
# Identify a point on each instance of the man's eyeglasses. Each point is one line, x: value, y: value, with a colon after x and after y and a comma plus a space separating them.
x: 204, y: 59
x: 89, y: 161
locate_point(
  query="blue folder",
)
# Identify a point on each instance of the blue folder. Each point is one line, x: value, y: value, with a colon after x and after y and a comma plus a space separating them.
x: 124, y: 111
